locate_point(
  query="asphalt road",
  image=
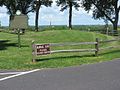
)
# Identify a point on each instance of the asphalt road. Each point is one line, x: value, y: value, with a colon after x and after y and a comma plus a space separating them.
x: 102, y: 76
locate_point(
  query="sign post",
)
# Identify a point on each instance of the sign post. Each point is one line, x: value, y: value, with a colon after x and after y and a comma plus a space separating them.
x: 39, y: 49
x: 19, y: 44
x: 33, y: 51
x: 18, y: 22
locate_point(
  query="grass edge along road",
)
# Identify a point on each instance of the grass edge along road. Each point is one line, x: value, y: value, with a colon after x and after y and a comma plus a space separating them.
x: 12, y: 57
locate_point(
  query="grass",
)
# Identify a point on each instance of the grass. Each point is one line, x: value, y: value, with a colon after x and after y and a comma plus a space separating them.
x: 12, y: 57
x: 75, y: 27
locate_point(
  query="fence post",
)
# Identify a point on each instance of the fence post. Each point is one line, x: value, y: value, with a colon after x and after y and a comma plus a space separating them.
x: 33, y: 51
x: 97, y: 47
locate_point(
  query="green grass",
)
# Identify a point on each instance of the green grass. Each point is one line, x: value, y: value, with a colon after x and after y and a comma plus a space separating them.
x: 12, y: 57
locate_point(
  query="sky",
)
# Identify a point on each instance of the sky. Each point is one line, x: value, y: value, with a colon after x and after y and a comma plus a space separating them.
x: 55, y: 16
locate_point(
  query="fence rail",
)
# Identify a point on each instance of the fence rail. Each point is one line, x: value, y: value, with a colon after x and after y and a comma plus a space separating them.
x: 110, y: 47
x: 43, y: 49
x: 74, y: 50
x: 104, y: 31
x: 106, y: 41
x: 72, y: 44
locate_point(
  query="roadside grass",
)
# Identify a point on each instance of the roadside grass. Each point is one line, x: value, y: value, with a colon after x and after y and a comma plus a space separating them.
x: 12, y: 57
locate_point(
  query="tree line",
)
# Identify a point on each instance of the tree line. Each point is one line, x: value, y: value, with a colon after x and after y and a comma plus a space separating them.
x: 101, y: 9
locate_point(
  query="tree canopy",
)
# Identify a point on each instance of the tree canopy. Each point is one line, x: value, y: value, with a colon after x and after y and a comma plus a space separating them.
x: 105, y: 9
x: 25, y: 6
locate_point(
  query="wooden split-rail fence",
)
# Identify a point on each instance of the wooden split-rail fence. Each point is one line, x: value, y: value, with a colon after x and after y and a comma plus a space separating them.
x: 44, y: 49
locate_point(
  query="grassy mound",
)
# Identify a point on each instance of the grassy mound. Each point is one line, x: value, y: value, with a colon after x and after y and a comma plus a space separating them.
x: 12, y: 57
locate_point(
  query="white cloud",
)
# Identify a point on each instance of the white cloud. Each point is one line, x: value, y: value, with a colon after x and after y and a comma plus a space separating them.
x: 3, y: 9
x: 31, y: 19
x: 3, y: 12
x: 54, y: 3
x: 119, y: 3
x: 4, y: 17
x: 119, y: 13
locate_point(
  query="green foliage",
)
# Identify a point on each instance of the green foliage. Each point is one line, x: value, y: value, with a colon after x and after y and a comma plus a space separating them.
x: 66, y: 3
x: 105, y: 9
x: 101, y: 7
x: 12, y: 57
x: 25, y: 6
x: 1, y: 2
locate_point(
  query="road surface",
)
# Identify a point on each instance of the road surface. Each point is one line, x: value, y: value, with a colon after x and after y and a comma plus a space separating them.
x: 101, y: 76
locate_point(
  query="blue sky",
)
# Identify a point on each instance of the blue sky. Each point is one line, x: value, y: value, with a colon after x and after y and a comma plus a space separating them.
x: 56, y: 17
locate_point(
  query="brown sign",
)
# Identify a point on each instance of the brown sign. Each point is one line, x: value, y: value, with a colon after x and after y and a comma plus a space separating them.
x: 43, y: 49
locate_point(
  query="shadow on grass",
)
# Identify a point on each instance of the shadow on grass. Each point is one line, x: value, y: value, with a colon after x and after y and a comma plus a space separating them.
x: 5, y: 43
x: 109, y: 52
x: 25, y: 45
x: 61, y: 57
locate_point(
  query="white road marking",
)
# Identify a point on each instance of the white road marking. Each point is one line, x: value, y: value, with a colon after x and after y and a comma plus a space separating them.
x: 10, y: 73
x: 20, y: 74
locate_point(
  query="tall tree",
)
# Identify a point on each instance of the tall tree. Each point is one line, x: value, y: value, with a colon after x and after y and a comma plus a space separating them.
x: 105, y: 9
x: 25, y: 6
x: 68, y: 4
x: 38, y: 4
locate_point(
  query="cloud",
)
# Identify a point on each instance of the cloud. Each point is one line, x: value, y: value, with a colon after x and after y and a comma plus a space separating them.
x: 31, y: 18
x: 3, y: 9
x: 4, y: 17
x: 3, y: 12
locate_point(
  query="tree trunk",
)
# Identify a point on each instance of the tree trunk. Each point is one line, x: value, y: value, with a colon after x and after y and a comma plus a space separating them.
x: 36, y: 20
x: 115, y: 26
x: 115, y: 23
x: 116, y: 18
x: 37, y: 17
x: 70, y: 16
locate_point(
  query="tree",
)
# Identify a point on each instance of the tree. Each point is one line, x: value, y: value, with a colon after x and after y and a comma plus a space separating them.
x: 68, y: 4
x: 1, y: 2
x: 104, y: 9
x: 25, y: 6
x: 10, y: 5
x: 37, y: 6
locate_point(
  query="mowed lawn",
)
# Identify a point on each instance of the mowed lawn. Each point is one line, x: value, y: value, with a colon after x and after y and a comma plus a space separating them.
x: 12, y: 57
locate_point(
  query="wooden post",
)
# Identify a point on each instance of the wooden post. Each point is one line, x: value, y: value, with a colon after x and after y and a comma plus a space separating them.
x: 97, y: 47
x: 33, y: 51
x: 19, y: 44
